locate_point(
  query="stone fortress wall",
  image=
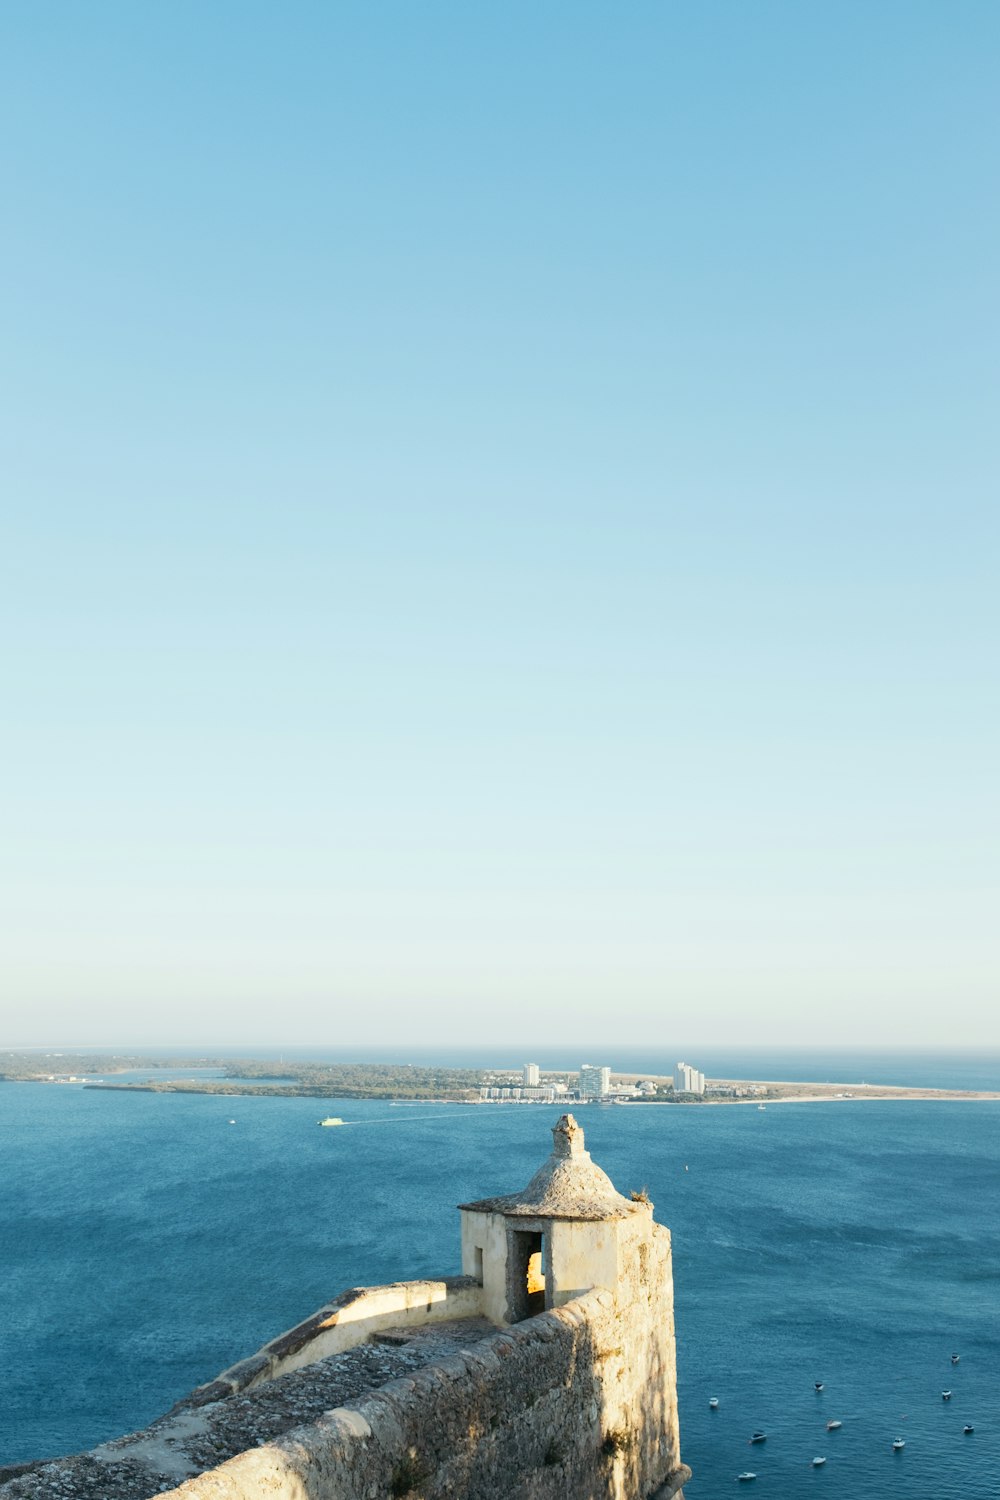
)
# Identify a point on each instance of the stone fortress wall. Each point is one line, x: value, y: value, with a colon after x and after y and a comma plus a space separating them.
x: 545, y: 1372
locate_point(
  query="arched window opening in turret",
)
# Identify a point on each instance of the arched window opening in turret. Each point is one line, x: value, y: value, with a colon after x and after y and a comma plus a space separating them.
x: 525, y: 1274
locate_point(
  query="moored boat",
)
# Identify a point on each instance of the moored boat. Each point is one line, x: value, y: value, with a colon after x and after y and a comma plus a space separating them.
x: 898, y: 1445
x: 744, y: 1477
x: 758, y: 1437
x: 817, y: 1462
x: 832, y: 1426
x: 713, y: 1402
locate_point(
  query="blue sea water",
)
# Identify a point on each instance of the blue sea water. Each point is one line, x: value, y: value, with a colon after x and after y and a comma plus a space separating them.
x: 146, y: 1243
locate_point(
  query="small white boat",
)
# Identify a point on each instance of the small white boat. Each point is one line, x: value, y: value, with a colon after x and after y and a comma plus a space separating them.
x: 232, y: 1122
x: 898, y: 1445
x: 955, y: 1358
x: 968, y: 1428
x: 758, y: 1437
x: 946, y: 1395
x: 832, y: 1426
x: 818, y: 1462
x: 818, y: 1384
x: 761, y: 1107
x: 744, y: 1477
x: 713, y: 1402
x: 332, y: 1120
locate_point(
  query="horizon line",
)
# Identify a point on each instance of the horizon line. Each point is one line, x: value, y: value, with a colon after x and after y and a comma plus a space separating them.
x: 492, y: 1046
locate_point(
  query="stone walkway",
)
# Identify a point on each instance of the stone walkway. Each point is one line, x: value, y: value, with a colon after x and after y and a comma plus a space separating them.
x: 190, y: 1440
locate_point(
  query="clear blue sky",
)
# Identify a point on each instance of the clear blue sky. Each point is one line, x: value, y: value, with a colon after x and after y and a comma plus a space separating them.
x: 500, y: 522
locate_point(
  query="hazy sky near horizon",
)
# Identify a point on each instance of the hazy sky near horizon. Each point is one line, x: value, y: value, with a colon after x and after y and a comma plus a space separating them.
x: 501, y: 522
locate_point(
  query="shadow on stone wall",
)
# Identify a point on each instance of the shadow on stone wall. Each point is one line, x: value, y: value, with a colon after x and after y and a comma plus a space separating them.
x: 524, y: 1415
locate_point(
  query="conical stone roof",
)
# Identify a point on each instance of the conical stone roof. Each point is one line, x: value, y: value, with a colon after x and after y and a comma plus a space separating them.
x: 567, y: 1186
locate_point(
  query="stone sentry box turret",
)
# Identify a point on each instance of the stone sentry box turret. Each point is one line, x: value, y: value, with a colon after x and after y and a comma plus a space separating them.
x: 566, y: 1233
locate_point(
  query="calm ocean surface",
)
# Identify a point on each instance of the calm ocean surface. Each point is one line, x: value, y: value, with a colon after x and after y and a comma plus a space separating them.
x: 146, y: 1243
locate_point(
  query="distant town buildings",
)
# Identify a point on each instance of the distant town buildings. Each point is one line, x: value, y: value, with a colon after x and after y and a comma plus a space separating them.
x: 501, y: 1095
x: 595, y: 1083
x: 688, y: 1080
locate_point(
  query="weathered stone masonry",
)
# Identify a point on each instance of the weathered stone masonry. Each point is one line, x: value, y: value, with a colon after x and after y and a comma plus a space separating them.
x: 568, y: 1392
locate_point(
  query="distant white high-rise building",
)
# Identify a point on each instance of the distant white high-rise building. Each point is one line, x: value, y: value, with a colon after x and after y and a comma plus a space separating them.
x: 688, y: 1080
x: 594, y: 1082
x: 531, y: 1075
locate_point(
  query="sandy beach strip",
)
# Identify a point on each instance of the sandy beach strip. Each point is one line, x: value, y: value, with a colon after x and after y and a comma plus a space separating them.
x: 779, y: 1091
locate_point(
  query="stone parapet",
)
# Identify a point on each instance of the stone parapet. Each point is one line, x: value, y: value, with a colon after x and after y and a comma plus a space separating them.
x: 342, y: 1324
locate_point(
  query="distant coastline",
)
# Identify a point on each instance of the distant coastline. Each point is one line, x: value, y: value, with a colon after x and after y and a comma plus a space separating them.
x: 424, y: 1084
